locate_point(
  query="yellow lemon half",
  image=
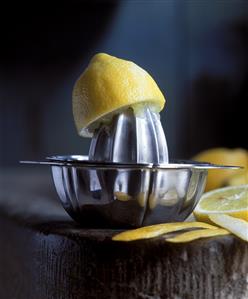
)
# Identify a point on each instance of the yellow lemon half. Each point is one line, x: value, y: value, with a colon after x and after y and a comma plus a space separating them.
x: 232, y: 201
x: 218, y: 178
x: 110, y: 84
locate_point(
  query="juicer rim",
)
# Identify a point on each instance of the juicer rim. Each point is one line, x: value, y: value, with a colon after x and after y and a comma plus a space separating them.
x: 81, y: 161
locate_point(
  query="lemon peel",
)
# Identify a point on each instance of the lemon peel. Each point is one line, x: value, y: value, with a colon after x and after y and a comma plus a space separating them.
x: 157, y: 230
x: 198, y: 234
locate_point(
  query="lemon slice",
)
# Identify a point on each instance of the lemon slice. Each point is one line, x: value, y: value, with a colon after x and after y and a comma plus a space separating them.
x: 198, y: 234
x: 238, y: 227
x: 157, y: 230
x: 108, y: 85
x: 230, y: 200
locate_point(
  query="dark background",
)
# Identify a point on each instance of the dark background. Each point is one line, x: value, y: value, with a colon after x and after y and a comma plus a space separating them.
x: 197, y: 51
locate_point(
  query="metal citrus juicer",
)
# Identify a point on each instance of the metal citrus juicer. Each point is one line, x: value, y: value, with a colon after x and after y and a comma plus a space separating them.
x: 127, y: 179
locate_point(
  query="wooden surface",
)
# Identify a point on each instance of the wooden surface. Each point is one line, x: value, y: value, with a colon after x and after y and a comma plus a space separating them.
x: 44, y: 254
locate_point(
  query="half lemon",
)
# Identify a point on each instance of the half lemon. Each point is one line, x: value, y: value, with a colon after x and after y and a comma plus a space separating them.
x: 108, y: 85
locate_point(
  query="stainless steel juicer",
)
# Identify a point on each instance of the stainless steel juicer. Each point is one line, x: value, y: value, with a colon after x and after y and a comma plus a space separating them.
x: 127, y: 180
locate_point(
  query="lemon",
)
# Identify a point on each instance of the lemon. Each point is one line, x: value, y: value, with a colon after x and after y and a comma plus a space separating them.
x: 225, y: 156
x: 229, y: 200
x: 110, y: 84
x: 240, y: 178
x: 238, y: 227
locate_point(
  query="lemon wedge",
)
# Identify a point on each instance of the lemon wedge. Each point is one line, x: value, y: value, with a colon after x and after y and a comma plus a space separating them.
x: 238, y: 227
x: 229, y: 200
x: 110, y: 84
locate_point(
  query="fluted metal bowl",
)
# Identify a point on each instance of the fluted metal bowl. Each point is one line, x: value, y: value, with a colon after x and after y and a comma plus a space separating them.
x: 127, y: 195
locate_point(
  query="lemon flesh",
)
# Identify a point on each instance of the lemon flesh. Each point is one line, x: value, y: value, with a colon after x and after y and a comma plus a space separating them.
x: 230, y: 200
x: 107, y: 86
x: 218, y: 178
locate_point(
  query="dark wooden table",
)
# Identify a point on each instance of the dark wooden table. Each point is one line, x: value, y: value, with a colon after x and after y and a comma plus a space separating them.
x: 45, y: 255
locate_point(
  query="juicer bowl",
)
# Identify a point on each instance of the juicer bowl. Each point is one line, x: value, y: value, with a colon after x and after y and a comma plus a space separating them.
x: 128, y: 195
